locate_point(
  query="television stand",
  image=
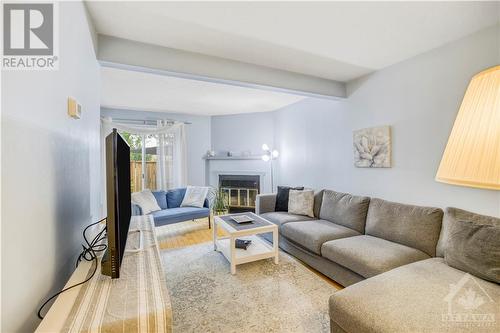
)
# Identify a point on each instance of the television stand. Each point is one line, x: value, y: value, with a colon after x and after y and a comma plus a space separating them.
x: 117, y: 305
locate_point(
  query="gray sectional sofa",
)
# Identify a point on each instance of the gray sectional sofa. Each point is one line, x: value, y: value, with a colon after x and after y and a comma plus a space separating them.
x: 390, y: 258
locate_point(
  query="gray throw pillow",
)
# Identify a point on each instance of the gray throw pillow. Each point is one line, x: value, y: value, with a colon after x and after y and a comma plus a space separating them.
x: 301, y: 202
x: 474, y: 248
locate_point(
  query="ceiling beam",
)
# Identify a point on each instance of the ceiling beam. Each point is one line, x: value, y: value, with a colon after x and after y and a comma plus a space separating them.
x: 131, y: 55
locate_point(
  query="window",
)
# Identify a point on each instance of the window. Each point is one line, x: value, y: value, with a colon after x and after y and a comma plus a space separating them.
x: 151, y: 160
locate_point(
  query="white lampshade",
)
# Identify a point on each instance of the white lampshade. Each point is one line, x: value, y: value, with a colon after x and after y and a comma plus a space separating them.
x: 472, y: 155
x: 276, y: 153
x: 266, y: 158
x: 265, y: 147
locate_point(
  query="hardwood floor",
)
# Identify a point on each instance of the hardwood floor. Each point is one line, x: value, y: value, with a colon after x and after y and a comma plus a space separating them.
x: 184, y: 234
x: 190, y: 233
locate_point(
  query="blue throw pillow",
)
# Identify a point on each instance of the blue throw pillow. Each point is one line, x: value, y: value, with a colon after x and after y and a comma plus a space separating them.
x: 161, y: 198
x: 175, y: 196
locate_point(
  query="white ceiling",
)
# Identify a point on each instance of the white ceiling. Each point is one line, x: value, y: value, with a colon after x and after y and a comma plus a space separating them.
x: 125, y: 89
x: 334, y: 40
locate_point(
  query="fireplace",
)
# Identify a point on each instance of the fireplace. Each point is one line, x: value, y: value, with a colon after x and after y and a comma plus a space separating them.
x: 241, y: 191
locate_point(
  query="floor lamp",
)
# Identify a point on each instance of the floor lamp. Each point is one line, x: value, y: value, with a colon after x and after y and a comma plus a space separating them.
x: 268, y: 156
x: 472, y: 155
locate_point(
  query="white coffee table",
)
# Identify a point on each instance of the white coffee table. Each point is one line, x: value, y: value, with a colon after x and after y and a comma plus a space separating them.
x: 258, y: 249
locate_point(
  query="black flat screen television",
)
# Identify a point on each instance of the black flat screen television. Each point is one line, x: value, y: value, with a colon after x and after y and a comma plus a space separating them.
x: 118, y: 202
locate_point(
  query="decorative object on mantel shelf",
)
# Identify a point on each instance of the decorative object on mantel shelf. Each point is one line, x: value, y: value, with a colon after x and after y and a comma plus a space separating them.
x: 372, y: 147
x: 270, y: 155
x: 472, y: 155
x: 224, y: 157
x: 210, y: 153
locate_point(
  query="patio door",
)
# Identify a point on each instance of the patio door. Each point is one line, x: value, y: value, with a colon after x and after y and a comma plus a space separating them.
x: 151, y: 160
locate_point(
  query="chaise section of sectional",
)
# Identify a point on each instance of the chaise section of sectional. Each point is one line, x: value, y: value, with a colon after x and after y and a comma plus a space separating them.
x: 410, y: 298
x: 424, y: 296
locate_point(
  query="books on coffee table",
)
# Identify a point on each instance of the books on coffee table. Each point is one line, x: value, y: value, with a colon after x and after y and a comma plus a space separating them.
x: 242, y: 218
x: 242, y: 243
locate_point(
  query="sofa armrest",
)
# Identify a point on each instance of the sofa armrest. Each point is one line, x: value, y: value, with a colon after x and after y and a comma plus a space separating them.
x: 209, y: 201
x: 136, y: 210
x: 265, y: 203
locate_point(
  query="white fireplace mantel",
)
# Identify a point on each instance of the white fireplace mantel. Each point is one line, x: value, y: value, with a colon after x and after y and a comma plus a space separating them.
x: 234, y: 166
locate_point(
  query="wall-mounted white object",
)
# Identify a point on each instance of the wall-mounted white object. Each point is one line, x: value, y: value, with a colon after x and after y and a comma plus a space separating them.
x: 74, y: 108
x: 472, y: 155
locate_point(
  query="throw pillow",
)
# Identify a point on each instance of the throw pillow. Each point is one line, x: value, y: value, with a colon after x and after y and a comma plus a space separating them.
x: 146, y: 200
x: 301, y: 202
x: 161, y: 198
x: 474, y: 248
x: 175, y: 196
x: 195, y: 196
x: 282, y: 198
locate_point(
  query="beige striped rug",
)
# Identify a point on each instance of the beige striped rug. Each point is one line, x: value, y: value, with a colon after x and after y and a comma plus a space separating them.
x: 261, y: 297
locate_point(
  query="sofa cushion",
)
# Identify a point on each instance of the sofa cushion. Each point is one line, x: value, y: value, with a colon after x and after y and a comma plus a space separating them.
x: 413, y: 298
x: 318, y: 198
x: 451, y: 215
x: 175, y: 197
x: 369, y: 256
x: 280, y: 218
x: 179, y: 214
x: 312, y: 234
x: 413, y: 226
x: 161, y: 198
x: 474, y: 248
x: 344, y: 209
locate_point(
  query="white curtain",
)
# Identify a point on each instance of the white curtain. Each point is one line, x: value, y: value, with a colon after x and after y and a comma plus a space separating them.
x: 171, y: 152
x: 171, y: 168
x: 180, y: 157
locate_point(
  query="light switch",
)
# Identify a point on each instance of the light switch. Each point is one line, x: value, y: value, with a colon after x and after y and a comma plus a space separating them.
x: 74, y: 108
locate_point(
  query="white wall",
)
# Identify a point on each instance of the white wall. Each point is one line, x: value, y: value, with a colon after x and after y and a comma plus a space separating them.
x: 50, y: 171
x: 419, y: 98
x: 197, y: 137
x: 242, y: 132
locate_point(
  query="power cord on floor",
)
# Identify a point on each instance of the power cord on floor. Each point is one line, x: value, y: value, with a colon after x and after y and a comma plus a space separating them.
x: 88, y: 254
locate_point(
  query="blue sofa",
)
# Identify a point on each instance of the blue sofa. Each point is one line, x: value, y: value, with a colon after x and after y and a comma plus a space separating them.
x: 171, y: 210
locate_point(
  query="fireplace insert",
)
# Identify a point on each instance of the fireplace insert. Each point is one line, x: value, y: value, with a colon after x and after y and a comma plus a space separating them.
x: 241, y: 191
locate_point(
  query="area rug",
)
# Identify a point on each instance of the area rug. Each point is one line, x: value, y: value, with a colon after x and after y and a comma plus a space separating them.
x: 261, y: 297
